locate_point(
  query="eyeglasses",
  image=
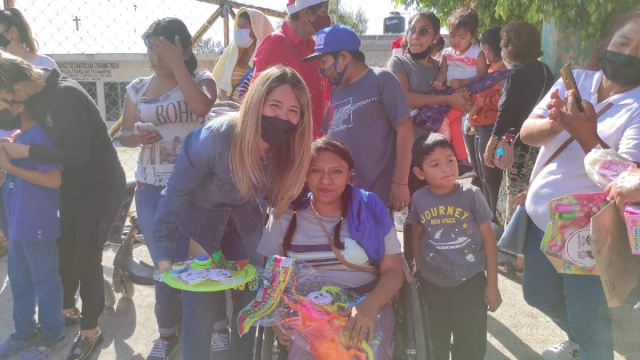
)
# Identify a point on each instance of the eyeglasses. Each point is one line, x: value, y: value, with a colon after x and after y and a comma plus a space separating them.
x: 423, y: 31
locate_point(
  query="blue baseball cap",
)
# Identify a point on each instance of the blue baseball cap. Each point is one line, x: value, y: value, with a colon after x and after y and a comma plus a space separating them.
x: 335, y: 39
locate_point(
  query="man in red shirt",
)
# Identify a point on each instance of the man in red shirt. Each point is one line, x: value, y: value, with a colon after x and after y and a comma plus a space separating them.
x: 291, y: 43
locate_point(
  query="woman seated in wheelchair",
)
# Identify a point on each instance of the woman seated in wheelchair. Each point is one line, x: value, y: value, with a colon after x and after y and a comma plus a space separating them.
x: 347, y: 235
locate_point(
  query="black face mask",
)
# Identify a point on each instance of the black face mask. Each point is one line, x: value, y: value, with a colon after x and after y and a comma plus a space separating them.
x: 622, y: 69
x: 276, y: 131
x: 4, y: 42
x: 8, y: 121
x: 421, y: 55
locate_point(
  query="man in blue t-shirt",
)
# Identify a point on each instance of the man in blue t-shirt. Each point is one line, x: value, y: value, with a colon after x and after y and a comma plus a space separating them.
x: 369, y: 112
x: 32, y: 203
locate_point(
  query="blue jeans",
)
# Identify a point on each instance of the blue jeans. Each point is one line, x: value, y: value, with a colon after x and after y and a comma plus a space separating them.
x: 576, y: 303
x: 202, y: 310
x: 167, y: 298
x: 33, y: 274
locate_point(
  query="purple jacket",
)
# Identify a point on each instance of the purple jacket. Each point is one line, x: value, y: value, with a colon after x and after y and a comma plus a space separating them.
x: 368, y: 221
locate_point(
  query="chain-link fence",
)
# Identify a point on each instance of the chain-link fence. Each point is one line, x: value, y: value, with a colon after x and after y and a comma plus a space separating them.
x: 98, y: 43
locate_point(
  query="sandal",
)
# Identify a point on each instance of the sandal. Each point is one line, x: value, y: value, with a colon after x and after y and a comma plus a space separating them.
x: 509, y: 268
x: 72, y: 318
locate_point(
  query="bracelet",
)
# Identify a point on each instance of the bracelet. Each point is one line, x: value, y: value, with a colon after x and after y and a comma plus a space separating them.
x: 401, y: 184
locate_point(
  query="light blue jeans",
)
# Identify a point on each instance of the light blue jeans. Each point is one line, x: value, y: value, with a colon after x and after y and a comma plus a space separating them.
x: 576, y: 303
x: 167, y: 298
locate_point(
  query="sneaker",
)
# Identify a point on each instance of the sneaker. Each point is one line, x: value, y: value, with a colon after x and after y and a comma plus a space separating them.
x: 465, y: 171
x: 220, y: 345
x: 164, y: 348
x: 44, y: 349
x: 83, y: 346
x: 72, y: 318
x: 566, y: 350
x: 12, y: 346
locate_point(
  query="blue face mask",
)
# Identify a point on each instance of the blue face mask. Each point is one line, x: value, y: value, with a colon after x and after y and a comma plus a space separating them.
x: 339, y: 75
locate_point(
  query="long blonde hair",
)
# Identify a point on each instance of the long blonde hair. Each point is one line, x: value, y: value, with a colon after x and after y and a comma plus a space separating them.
x: 289, y: 162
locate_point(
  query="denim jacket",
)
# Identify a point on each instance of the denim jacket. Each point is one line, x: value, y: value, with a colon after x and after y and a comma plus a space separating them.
x: 201, y: 195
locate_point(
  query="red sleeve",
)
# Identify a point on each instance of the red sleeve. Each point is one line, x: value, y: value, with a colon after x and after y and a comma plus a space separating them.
x: 270, y: 53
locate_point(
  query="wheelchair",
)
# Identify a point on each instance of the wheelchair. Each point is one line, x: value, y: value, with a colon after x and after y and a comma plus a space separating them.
x: 127, y: 270
x: 412, y: 340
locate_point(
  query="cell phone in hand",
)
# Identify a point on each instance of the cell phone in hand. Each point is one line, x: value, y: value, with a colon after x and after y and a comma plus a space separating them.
x: 146, y: 127
x: 570, y: 84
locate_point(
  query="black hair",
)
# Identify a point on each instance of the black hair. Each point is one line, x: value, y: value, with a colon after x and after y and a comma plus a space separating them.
x: 14, y: 18
x: 434, y: 20
x: 425, y: 145
x: 356, y: 55
x: 245, y: 15
x: 296, y: 16
x: 491, y: 38
x: 339, y: 148
x: 464, y: 18
x: 438, y: 45
x: 169, y: 28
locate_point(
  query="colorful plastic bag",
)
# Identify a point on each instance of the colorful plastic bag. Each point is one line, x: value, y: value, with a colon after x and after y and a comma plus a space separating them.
x: 567, y: 238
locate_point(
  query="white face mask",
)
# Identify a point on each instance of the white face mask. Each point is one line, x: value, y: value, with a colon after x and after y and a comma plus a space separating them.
x: 242, y: 39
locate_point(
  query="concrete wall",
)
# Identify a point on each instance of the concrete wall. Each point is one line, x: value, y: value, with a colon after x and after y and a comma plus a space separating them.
x: 377, y: 48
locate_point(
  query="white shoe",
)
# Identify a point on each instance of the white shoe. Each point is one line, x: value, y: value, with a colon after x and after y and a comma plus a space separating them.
x: 566, y: 350
x: 637, y: 307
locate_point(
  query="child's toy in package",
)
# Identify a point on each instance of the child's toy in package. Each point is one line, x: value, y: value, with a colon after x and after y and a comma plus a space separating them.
x: 567, y: 239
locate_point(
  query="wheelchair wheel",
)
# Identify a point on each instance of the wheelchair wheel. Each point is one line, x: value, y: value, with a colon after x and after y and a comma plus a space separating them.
x: 109, y: 294
x: 421, y: 335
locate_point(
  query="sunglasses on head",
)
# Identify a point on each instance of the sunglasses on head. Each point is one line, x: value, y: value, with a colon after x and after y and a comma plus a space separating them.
x: 423, y: 31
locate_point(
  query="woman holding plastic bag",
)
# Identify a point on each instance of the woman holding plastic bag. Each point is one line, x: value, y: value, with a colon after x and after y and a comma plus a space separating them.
x: 612, y: 120
x: 347, y: 235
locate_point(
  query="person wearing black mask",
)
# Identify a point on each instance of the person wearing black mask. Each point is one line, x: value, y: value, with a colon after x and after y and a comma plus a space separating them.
x: 93, y: 181
x: 417, y: 70
x: 294, y: 41
x: 611, y: 119
x: 211, y: 200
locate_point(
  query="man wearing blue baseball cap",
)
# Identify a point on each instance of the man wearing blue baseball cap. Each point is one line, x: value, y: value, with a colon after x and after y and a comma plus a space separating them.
x: 368, y: 111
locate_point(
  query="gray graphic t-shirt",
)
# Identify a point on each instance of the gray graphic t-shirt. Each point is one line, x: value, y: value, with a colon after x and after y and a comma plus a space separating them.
x: 451, y: 244
x: 174, y: 120
x: 365, y: 115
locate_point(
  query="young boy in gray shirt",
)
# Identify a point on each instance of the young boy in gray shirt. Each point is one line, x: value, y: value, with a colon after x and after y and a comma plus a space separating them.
x: 454, y: 245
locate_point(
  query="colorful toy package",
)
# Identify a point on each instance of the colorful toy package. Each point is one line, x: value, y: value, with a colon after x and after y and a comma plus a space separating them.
x: 291, y: 296
x: 567, y: 239
x: 210, y: 273
x: 632, y: 220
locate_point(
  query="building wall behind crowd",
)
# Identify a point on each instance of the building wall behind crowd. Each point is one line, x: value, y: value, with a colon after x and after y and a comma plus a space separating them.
x: 105, y: 76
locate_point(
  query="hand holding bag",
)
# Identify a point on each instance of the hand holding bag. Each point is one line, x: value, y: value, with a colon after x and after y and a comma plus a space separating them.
x: 504, y: 153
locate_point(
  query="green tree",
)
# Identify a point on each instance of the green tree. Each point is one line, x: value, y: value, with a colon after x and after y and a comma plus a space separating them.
x: 594, y: 16
x: 355, y: 19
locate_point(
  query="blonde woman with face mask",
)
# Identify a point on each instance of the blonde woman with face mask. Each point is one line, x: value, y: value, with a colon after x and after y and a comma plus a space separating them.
x: 234, y: 70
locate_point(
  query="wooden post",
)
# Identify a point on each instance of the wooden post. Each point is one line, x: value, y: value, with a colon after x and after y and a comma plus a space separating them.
x: 207, y: 25
x: 237, y: 5
x: 226, y: 29
x: 8, y: 4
